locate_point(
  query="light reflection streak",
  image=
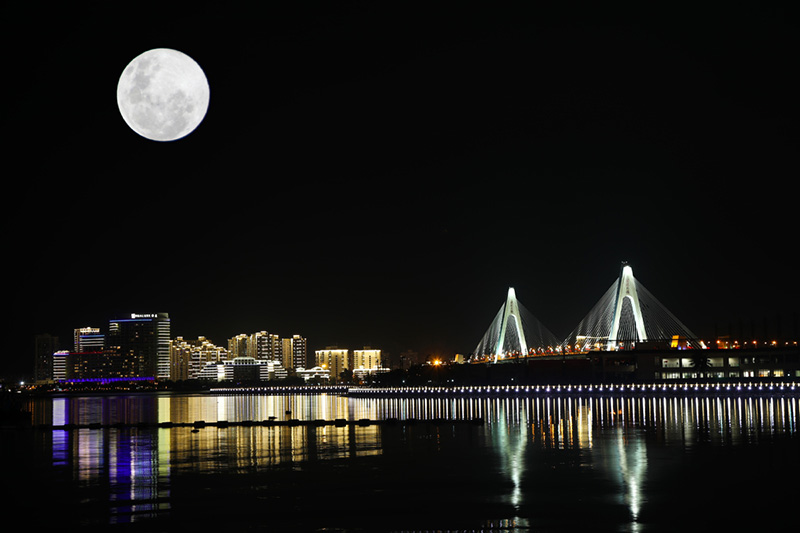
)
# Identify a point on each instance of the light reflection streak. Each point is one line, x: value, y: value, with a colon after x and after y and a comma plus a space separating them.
x: 510, y: 439
x: 632, y: 457
x: 139, y: 463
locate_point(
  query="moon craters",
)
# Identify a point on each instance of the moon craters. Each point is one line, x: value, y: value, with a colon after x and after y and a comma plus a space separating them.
x: 163, y: 95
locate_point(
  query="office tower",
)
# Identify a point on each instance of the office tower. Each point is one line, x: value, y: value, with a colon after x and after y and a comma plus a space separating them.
x: 145, y: 338
x: 88, y: 340
x: 334, y: 360
x: 44, y: 347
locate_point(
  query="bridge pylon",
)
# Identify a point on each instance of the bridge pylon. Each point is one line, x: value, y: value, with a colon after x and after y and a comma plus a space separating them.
x: 627, y: 315
x: 512, y: 314
x: 626, y: 289
x: 514, y: 332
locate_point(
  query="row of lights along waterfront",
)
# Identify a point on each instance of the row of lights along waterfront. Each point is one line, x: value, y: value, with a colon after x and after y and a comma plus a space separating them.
x: 653, y: 388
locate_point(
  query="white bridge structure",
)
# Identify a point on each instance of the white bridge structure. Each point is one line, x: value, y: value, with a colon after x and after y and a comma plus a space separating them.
x: 514, y: 332
x: 626, y: 315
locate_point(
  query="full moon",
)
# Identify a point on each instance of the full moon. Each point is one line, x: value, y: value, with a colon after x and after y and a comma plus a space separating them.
x: 163, y: 94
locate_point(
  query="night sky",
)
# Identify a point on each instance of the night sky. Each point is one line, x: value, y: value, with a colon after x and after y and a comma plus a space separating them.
x: 380, y: 173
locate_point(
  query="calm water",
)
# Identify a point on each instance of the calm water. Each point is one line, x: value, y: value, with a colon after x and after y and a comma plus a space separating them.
x: 537, y: 464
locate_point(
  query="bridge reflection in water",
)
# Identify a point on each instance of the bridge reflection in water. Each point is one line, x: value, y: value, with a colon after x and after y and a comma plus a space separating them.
x: 566, y: 459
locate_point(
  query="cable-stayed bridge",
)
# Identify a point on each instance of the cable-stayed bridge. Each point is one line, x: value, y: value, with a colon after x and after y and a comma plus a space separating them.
x: 515, y: 332
x: 626, y: 315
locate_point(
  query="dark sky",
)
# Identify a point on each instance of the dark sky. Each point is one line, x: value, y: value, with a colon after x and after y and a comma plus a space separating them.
x: 381, y: 173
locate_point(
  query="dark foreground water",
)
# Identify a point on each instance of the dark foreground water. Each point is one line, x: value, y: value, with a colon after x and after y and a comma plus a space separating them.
x: 576, y: 463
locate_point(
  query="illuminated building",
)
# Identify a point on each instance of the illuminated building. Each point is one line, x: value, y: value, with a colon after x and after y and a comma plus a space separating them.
x: 237, y: 346
x: 289, y: 353
x: 271, y: 370
x: 88, y: 340
x: 316, y: 373
x: 59, y: 365
x: 101, y: 365
x: 265, y: 346
x: 189, y: 357
x: 213, y: 371
x: 144, y: 338
x: 242, y: 369
x: 333, y: 359
x: 367, y: 361
x: 294, y: 352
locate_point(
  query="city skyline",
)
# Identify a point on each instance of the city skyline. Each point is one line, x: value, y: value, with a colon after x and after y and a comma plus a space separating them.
x: 246, y: 344
x: 141, y: 346
x: 369, y: 175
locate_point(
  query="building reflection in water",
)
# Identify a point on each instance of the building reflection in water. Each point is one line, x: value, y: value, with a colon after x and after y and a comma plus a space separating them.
x: 128, y: 463
x: 610, y: 434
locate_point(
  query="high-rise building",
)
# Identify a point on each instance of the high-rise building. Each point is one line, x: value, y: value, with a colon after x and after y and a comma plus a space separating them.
x: 59, y: 365
x: 294, y: 352
x: 335, y: 360
x: 44, y: 347
x: 189, y: 357
x: 299, y: 352
x: 264, y: 346
x: 237, y: 346
x: 367, y: 362
x: 145, y: 338
x: 367, y: 359
x: 180, y: 357
x: 88, y: 339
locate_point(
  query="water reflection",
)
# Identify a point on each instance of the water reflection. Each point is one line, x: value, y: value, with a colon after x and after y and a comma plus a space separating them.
x: 535, y: 455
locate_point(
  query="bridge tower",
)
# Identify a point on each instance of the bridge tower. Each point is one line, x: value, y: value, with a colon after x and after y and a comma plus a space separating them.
x: 511, y: 313
x: 628, y: 314
x: 514, y: 332
x: 626, y: 289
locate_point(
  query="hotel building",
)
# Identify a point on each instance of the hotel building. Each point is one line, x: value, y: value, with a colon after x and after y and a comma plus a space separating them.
x: 146, y: 339
x: 88, y: 339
